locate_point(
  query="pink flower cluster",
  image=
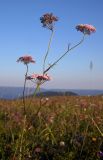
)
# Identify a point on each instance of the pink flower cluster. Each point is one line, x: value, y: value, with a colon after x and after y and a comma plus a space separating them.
x: 47, y: 20
x: 39, y: 78
x: 85, y: 28
x: 26, y: 59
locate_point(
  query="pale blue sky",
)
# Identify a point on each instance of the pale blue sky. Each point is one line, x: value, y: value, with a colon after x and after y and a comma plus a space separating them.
x: 21, y: 33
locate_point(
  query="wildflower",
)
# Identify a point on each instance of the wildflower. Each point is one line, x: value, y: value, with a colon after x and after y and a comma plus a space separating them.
x: 39, y: 78
x: 51, y: 119
x: 83, y: 104
x: 62, y: 143
x: 94, y: 139
x: 85, y: 109
x: 47, y: 99
x: 30, y: 127
x: 37, y: 149
x: 85, y: 28
x: 47, y: 20
x: 100, y: 154
x: 26, y: 59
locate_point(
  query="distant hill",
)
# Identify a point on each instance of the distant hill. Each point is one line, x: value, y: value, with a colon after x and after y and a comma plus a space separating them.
x: 58, y: 93
x: 82, y: 92
x: 17, y: 92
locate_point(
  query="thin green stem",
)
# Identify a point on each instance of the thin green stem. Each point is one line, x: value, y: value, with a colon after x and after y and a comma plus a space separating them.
x: 24, y: 88
x: 69, y: 49
x: 35, y: 92
x: 48, y: 49
x: 19, y: 142
x: 96, y: 126
x: 37, y: 89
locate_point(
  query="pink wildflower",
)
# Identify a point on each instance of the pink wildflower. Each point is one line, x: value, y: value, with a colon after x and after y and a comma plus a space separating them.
x: 51, y: 119
x: 62, y: 143
x: 85, y: 28
x: 37, y: 149
x: 26, y: 59
x: 100, y: 154
x: 47, y: 20
x: 39, y: 78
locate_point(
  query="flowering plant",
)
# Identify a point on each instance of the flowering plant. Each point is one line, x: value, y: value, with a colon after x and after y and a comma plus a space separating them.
x: 48, y: 21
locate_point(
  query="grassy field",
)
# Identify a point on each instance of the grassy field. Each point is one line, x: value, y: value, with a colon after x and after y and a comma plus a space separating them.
x: 54, y: 128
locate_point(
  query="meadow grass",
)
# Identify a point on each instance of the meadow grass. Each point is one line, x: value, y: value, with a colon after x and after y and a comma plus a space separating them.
x: 54, y: 128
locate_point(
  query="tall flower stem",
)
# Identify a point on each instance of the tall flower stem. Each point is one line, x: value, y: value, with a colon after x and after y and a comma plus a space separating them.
x: 25, y: 88
x: 36, y: 89
x: 69, y: 49
x: 34, y: 94
x: 48, y: 49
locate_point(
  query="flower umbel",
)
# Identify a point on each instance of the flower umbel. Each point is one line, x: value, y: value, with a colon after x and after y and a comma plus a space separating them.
x: 26, y: 59
x: 100, y: 154
x: 85, y: 28
x: 47, y: 20
x: 39, y: 78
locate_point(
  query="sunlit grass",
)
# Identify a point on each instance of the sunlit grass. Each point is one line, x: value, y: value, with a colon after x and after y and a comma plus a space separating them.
x: 55, y: 128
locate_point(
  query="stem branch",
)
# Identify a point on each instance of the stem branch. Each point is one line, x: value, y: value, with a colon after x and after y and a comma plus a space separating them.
x: 69, y: 49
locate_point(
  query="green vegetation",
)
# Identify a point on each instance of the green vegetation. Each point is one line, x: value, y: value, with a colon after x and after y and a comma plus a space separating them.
x: 55, y: 128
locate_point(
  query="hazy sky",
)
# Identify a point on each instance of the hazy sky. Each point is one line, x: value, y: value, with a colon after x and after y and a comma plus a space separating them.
x: 21, y: 33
